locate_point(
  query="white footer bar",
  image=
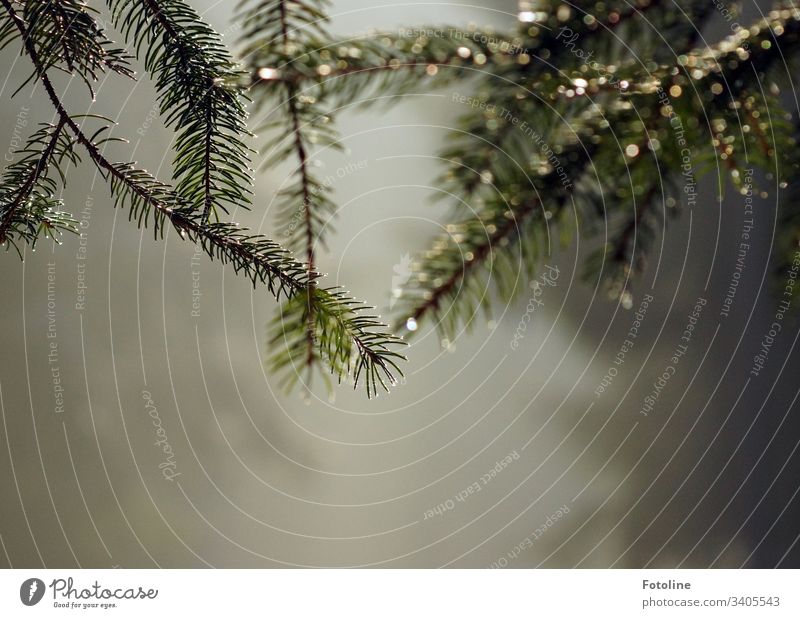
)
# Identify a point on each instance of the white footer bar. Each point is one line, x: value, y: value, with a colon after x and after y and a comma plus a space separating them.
x: 399, y: 593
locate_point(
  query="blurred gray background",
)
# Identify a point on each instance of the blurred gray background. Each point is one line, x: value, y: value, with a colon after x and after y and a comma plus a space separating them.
x: 265, y: 479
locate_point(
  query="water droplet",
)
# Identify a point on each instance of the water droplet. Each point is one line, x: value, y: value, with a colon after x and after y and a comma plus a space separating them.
x: 627, y: 300
x: 268, y: 73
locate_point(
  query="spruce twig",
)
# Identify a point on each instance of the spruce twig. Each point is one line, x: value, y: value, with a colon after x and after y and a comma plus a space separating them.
x: 353, y: 341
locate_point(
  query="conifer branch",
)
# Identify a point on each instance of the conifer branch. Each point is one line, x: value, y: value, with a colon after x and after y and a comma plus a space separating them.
x: 384, y: 63
x: 28, y: 204
x: 478, y: 254
x: 305, y: 191
x: 444, y: 282
x: 38, y: 168
x: 537, y: 142
x: 199, y: 94
x: 69, y: 39
x: 355, y: 341
x: 282, y: 27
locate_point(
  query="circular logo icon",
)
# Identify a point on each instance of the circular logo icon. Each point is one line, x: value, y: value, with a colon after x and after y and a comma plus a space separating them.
x: 31, y: 591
